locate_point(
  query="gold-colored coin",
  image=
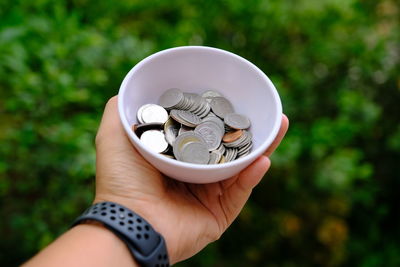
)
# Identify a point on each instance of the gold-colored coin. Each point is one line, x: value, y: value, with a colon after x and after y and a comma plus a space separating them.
x: 232, y: 136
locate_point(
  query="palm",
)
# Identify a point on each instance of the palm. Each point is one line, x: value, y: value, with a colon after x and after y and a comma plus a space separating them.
x: 195, y: 215
x: 162, y: 199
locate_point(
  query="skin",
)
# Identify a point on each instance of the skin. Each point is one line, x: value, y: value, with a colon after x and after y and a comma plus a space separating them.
x: 189, y: 216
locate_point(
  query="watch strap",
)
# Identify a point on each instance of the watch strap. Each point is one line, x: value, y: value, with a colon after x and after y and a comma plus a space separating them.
x: 147, y: 246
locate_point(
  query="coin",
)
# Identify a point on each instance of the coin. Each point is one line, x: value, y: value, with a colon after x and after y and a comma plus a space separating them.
x: 232, y: 136
x: 139, y: 129
x: 170, y: 98
x: 139, y: 113
x: 221, y: 149
x: 230, y: 154
x: 211, y: 134
x: 190, y: 118
x: 221, y: 106
x: 171, y: 130
x: 184, y: 139
x: 195, y: 102
x: 205, y: 109
x: 212, y: 117
x: 186, y: 118
x: 215, y: 157
x: 237, y: 142
x: 247, y: 140
x: 154, y: 140
x: 184, y: 129
x: 154, y: 113
x: 237, y: 121
x: 195, y: 152
x: 210, y: 94
x: 245, y: 149
x: 194, y: 128
x: 243, y: 140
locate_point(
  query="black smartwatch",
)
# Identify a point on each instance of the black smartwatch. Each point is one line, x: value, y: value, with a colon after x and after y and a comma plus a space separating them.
x: 146, y: 245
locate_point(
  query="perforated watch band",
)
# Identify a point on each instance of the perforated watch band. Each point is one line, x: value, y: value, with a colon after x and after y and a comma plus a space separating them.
x: 147, y: 246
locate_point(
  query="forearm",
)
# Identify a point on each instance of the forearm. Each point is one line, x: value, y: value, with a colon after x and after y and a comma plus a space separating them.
x: 85, y: 245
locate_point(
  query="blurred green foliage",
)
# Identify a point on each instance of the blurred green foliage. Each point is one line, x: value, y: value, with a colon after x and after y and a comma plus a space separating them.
x: 330, y: 197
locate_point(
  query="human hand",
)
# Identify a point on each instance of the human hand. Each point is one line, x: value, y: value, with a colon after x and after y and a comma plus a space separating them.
x: 189, y: 216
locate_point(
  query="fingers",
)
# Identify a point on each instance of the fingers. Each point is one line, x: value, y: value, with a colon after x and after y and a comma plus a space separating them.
x: 234, y: 197
x: 279, y: 137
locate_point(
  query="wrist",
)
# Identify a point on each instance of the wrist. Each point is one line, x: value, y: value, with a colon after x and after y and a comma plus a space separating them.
x: 98, y: 234
x: 88, y: 244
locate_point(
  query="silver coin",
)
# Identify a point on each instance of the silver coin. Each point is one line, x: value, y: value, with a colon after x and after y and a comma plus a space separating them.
x: 170, y: 98
x: 221, y: 149
x: 245, y: 154
x: 196, y: 102
x: 154, y: 140
x: 186, y: 118
x: 171, y: 130
x: 237, y: 121
x: 226, y: 154
x: 139, y: 113
x: 211, y: 114
x: 221, y: 106
x: 215, y: 119
x: 186, y: 103
x: 234, y: 154
x: 154, y: 113
x: 139, y: 129
x: 210, y: 94
x: 230, y: 154
x: 247, y: 140
x: 184, y: 129
x: 211, y: 134
x: 215, y: 157
x: 195, y: 152
x: 175, y: 115
x: 184, y: 139
x: 200, y: 106
x: 190, y: 117
x: 203, y: 110
x: 194, y: 127
x: 245, y: 149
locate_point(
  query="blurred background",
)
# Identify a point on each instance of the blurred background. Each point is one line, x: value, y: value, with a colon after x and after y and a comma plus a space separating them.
x: 330, y: 198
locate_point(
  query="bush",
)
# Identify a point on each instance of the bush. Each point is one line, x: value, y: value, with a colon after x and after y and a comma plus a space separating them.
x: 330, y: 196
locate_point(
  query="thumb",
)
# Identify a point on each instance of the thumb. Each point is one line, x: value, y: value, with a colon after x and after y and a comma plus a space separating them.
x: 236, y: 195
x: 111, y: 127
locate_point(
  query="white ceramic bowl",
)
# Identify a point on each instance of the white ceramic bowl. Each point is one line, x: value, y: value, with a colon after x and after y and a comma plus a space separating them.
x: 195, y: 69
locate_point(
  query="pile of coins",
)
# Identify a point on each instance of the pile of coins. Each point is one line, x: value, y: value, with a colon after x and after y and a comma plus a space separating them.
x: 202, y: 129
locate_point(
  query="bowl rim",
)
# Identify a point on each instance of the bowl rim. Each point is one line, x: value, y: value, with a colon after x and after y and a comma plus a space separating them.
x: 253, y: 155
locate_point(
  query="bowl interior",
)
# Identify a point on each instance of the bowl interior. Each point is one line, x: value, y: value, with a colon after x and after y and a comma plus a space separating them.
x: 196, y: 69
